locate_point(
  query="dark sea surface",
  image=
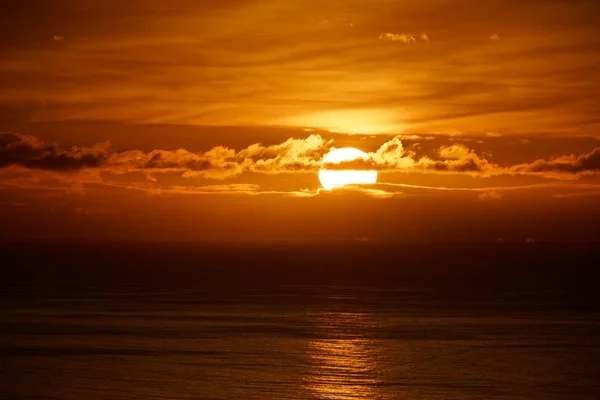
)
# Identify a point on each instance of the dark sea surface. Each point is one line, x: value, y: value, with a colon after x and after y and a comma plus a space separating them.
x: 346, y: 321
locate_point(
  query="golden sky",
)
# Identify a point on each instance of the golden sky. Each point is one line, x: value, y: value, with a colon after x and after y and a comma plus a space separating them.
x: 208, y: 120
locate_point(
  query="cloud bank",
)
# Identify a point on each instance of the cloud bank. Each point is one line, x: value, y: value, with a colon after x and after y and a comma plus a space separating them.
x: 292, y: 155
x: 567, y: 165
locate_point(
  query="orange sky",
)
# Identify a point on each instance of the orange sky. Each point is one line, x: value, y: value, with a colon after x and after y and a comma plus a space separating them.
x: 208, y: 120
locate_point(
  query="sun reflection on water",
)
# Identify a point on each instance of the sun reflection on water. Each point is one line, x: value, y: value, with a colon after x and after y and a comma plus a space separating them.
x: 344, y: 364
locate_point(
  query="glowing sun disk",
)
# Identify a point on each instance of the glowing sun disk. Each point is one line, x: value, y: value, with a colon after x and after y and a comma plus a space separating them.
x: 333, y: 178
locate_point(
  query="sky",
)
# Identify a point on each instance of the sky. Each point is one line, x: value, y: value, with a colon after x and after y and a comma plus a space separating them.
x: 208, y: 120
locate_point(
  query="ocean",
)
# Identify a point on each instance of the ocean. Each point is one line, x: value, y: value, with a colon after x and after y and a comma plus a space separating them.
x: 340, y: 321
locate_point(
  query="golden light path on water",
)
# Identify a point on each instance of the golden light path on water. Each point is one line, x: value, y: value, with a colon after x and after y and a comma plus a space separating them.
x: 344, y: 364
x: 336, y: 178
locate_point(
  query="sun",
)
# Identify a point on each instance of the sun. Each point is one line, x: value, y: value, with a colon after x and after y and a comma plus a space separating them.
x: 346, y: 166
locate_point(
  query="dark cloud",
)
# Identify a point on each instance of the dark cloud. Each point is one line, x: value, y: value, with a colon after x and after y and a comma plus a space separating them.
x: 292, y: 155
x: 471, y: 163
x: 358, y: 164
x: 30, y: 152
x: 220, y: 162
x: 584, y: 164
x: 7, y: 138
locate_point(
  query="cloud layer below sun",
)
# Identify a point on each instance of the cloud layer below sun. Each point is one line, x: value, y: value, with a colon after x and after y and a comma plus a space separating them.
x: 294, y: 155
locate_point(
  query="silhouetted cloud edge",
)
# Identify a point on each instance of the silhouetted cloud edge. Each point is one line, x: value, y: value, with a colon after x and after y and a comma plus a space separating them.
x: 291, y: 156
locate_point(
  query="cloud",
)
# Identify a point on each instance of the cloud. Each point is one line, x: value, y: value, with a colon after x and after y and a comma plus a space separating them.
x: 293, y: 155
x: 392, y: 155
x: 469, y: 163
x: 231, y: 189
x: 454, y: 152
x: 459, y: 158
x: 357, y: 164
x: 406, y: 38
x: 560, y: 167
x: 577, y: 194
x: 583, y: 187
x: 369, y: 190
x: 25, y: 152
x: 415, y: 137
x: 119, y: 67
x: 80, y: 184
x: 398, y: 37
x: 30, y: 152
x: 489, y: 196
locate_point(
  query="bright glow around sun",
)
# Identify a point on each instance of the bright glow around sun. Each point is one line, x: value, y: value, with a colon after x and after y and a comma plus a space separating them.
x: 336, y: 178
x: 347, y: 121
